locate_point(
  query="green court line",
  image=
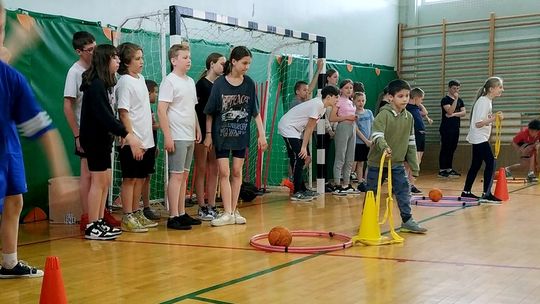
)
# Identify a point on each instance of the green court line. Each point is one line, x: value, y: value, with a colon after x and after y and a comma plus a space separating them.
x: 241, y: 279
x: 209, y: 300
x: 194, y: 295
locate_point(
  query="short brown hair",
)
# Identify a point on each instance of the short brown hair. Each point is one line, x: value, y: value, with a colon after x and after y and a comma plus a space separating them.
x: 175, y: 48
x: 417, y: 92
x: 126, y: 52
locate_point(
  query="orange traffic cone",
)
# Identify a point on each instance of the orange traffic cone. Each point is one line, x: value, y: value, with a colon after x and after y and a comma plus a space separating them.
x: 287, y: 183
x: 52, y: 288
x: 501, y: 189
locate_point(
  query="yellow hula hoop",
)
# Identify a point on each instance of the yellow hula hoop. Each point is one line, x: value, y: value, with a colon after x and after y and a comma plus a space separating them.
x: 389, y: 200
x: 498, y: 127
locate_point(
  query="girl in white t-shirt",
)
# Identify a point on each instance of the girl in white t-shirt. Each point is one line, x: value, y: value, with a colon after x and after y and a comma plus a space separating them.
x: 479, y: 133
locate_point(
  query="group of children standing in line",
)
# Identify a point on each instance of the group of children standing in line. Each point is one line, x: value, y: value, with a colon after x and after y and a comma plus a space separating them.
x: 216, y: 109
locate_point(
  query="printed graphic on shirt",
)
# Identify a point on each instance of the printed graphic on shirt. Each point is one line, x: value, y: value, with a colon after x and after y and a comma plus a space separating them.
x: 235, y: 115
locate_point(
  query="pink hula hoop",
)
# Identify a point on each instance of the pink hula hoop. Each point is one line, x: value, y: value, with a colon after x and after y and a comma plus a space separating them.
x: 446, y: 201
x: 347, y: 242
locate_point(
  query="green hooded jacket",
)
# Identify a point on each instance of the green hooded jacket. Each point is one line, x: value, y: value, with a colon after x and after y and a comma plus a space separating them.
x: 395, y: 131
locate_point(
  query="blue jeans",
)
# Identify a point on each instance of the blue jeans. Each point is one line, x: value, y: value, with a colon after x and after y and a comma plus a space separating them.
x: 400, y: 186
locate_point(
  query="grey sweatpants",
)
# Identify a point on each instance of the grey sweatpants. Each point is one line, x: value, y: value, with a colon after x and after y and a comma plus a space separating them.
x: 345, y: 141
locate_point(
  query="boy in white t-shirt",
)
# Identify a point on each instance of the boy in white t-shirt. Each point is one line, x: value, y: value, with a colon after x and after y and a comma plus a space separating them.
x: 296, y: 127
x: 178, y: 121
x: 83, y: 44
x: 135, y: 113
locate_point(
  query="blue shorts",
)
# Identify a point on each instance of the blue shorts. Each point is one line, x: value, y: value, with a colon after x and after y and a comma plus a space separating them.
x: 12, y: 178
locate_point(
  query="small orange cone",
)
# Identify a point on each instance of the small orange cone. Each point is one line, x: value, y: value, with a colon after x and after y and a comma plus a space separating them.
x: 501, y: 189
x: 287, y: 183
x: 52, y: 288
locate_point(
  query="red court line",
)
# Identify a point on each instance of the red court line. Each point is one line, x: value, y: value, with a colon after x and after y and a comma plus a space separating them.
x: 344, y: 255
x: 187, y: 245
x: 433, y: 261
x: 49, y: 240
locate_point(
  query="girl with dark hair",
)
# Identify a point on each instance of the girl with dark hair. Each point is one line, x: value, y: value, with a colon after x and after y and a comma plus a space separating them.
x: 231, y: 105
x: 97, y: 125
x: 205, y: 160
x: 479, y: 132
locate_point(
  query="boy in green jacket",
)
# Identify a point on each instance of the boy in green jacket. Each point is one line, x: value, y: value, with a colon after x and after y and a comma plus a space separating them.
x: 393, y: 133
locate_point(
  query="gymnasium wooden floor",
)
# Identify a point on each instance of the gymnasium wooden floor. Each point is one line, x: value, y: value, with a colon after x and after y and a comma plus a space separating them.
x: 481, y: 254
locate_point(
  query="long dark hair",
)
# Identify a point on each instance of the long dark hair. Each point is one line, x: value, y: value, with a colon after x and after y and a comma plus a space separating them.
x: 237, y: 53
x: 212, y: 58
x: 100, y: 66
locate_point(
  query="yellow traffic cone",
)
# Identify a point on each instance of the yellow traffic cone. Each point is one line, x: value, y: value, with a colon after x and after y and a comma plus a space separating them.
x: 369, y: 232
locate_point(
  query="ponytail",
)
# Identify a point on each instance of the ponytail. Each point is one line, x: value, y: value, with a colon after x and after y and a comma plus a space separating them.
x: 491, y: 82
x: 212, y: 58
x: 227, y: 67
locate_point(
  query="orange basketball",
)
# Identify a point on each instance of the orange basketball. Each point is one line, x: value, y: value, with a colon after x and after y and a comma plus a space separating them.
x: 435, y: 194
x: 279, y: 236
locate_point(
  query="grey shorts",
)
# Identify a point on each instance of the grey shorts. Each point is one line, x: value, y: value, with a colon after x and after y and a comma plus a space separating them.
x: 180, y: 159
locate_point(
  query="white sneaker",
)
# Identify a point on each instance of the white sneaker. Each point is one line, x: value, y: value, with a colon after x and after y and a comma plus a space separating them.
x: 238, y: 218
x: 224, y: 219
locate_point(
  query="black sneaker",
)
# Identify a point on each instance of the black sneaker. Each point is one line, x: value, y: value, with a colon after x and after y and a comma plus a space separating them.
x: 490, y: 199
x: 453, y: 174
x: 469, y: 195
x: 328, y: 188
x: 21, y: 270
x: 186, y: 219
x: 338, y: 190
x: 96, y: 232
x: 190, y: 202
x: 174, y: 223
x: 415, y: 190
x: 108, y: 228
x: 443, y: 174
x: 362, y: 187
x: 151, y: 214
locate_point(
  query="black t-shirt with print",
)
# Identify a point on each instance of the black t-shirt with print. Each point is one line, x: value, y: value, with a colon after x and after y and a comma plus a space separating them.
x: 231, y: 108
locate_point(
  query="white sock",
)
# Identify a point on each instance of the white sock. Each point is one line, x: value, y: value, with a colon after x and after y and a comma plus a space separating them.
x: 181, y: 214
x: 9, y: 260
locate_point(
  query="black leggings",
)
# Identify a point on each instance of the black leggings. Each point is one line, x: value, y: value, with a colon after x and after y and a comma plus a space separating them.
x: 481, y: 153
x: 297, y: 164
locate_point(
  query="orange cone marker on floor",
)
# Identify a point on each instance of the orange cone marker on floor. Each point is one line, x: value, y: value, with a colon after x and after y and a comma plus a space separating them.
x: 52, y: 288
x: 501, y: 189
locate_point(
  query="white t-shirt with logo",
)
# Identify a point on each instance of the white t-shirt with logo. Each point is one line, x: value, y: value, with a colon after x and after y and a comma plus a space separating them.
x: 72, y: 88
x: 132, y: 95
x: 481, y: 111
x: 293, y: 123
x: 181, y: 95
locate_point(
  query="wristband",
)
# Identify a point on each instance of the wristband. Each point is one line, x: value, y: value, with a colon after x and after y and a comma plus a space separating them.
x: 77, y: 136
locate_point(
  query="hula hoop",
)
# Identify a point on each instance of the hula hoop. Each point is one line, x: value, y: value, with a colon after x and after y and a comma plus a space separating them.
x: 347, y: 242
x: 446, y: 201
